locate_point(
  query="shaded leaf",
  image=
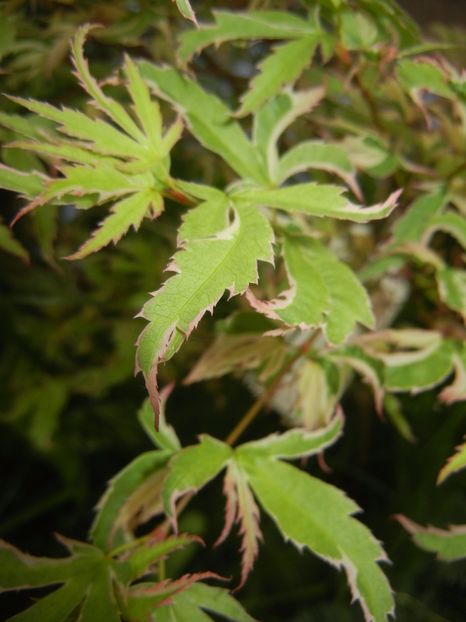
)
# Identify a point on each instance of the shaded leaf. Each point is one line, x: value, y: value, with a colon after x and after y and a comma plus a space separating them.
x: 240, y: 353
x: 237, y: 26
x: 448, y: 545
x: 112, y: 507
x: 9, y: 244
x: 455, y: 463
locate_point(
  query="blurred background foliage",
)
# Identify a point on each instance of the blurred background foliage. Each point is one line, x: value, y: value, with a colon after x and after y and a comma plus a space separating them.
x: 69, y: 395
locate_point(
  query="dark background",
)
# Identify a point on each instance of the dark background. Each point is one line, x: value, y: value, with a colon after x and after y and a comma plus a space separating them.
x: 48, y: 316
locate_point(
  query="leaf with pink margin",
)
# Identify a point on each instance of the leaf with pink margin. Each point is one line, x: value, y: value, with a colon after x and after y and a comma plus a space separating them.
x: 448, y: 544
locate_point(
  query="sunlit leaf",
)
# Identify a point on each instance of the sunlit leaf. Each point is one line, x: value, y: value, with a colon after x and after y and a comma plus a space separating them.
x: 251, y: 25
x: 318, y: 516
x: 455, y: 463
x: 283, y: 66
x: 319, y: 200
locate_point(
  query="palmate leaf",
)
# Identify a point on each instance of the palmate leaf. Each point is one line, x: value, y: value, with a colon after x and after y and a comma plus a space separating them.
x: 94, y: 586
x: 323, y: 292
x: 448, y: 544
x: 215, y: 131
x: 283, y: 66
x: 455, y: 463
x: 243, y: 26
x: 206, y: 268
x: 194, y: 466
x: 85, y: 576
x: 101, y: 161
x: 317, y: 516
x: 321, y: 200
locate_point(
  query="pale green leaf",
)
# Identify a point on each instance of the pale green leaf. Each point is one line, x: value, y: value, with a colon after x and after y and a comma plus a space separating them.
x: 236, y: 26
x: 186, y: 10
x: 274, y: 117
x: 455, y: 463
x: 317, y: 200
x: 113, y: 109
x: 208, y: 118
x: 9, y: 244
x: 282, y: 66
x: 27, y: 184
x: 315, y: 154
x: 308, y: 298
x: 192, y: 467
x: 295, y: 443
x: 108, y: 519
x: 420, y: 370
x: 205, y: 220
x: 448, y: 544
x: 124, y: 214
x: 205, y: 269
x: 411, y: 226
x: 147, y: 111
x: 65, y: 151
x: 324, y: 291
x: 100, y: 135
x: 318, y: 516
x: 452, y: 288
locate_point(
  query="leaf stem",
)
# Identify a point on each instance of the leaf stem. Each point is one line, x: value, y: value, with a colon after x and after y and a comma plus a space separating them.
x: 255, y: 409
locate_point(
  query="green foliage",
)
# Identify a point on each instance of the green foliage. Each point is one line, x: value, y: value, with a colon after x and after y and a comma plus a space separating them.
x: 347, y: 107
